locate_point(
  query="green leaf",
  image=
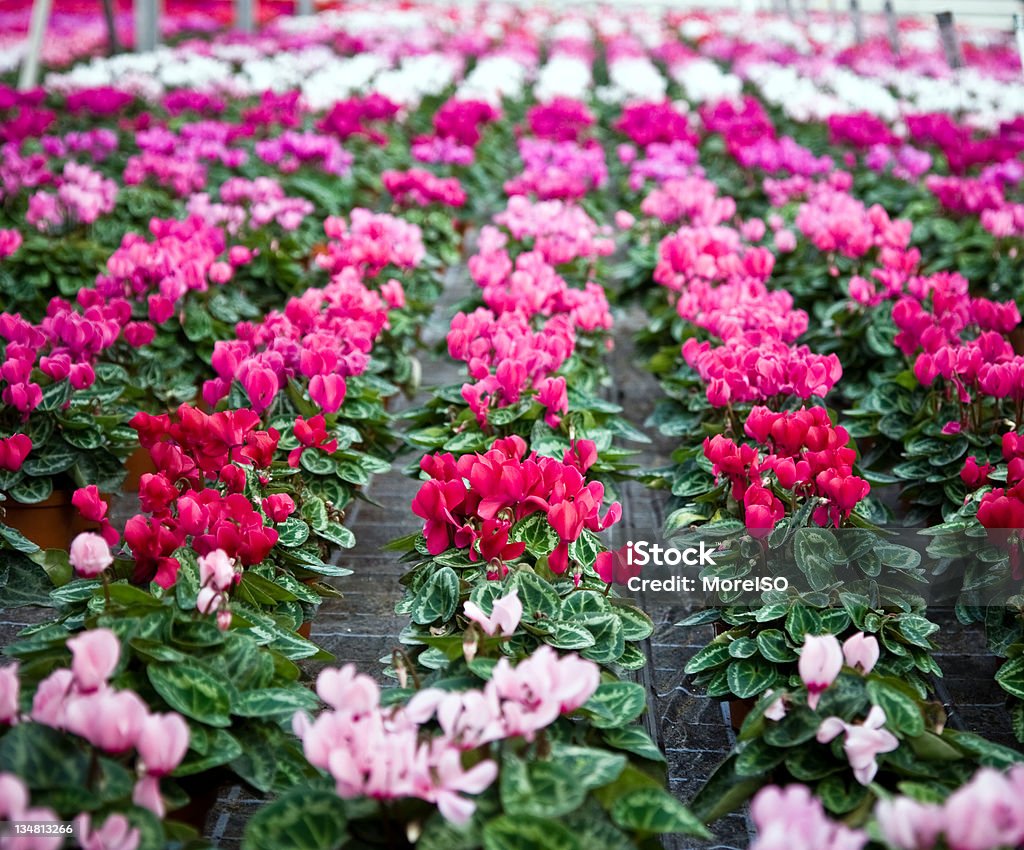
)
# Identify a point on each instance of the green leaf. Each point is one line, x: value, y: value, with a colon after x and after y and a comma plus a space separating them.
x: 589, y: 766
x: 437, y: 599
x: 711, y: 656
x: 31, y: 491
x: 652, y: 810
x: 918, y: 630
x: 901, y: 712
x: 539, y: 788
x: 56, y: 396
x: 633, y: 739
x: 43, y: 757
x: 197, y: 323
x: 540, y: 602
x: 292, y: 532
x: 192, y: 690
x: 839, y: 795
x: 305, y: 819
x: 898, y: 557
x: 616, y: 704
x: 318, y: 462
x: 48, y: 464
x: 540, y: 538
x: 802, y: 621
x: 1011, y: 677
x: 569, y: 636
x: 214, y: 749
x: 751, y: 677
x: 608, y: 640
x: 798, y: 727
x: 526, y: 832
x: 337, y: 533
x: 636, y: 625
x: 275, y: 703
x: 17, y: 541
x: 773, y: 646
x: 815, y: 550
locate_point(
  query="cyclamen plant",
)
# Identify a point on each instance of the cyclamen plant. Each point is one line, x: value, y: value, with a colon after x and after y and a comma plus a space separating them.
x: 83, y: 733
x: 464, y: 747
x: 64, y: 415
x: 507, y: 520
x: 870, y: 729
x: 218, y: 488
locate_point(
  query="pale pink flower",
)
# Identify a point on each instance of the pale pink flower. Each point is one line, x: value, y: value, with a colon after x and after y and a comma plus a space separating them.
x: 347, y: 690
x: 107, y: 719
x: 777, y: 710
x: 117, y: 833
x: 907, y: 824
x: 13, y: 796
x: 792, y: 818
x: 861, y: 652
x: 217, y: 570
x: 163, y: 742
x: 90, y: 554
x: 10, y: 688
x: 94, y: 656
x: 147, y: 795
x: 864, y: 742
x: 504, y: 618
x: 50, y: 700
x: 820, y: 662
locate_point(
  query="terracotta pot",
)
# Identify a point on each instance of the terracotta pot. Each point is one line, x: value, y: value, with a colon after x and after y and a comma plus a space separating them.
x: 49, y: 523
x: 138, y: 464
x: 306, y: 629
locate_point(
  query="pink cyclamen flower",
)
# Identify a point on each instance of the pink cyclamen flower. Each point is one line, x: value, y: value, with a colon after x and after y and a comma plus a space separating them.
x: 162, y: 743
x: 117, y: 833
x: 777, y: 709
x: 792, y: 818
x: 864, y: 742
x: 328, y: 391
x: 217, y: 570
x: 907, y: 824
x: 504, y: 618
x: 49, y: 702
x: 347, y: 690
x: 108, y: 719
x: 13, y: 796
x: 90, y: 555
x: 94, y: 657
x: 861, y: 652
x: 820, y: 662
x: 146, y: 795
x: 986, y: 812
x: 10, y: 687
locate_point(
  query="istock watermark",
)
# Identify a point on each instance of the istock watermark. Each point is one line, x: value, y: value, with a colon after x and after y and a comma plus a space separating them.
x: 703, y: 572
x: 642, y: 553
